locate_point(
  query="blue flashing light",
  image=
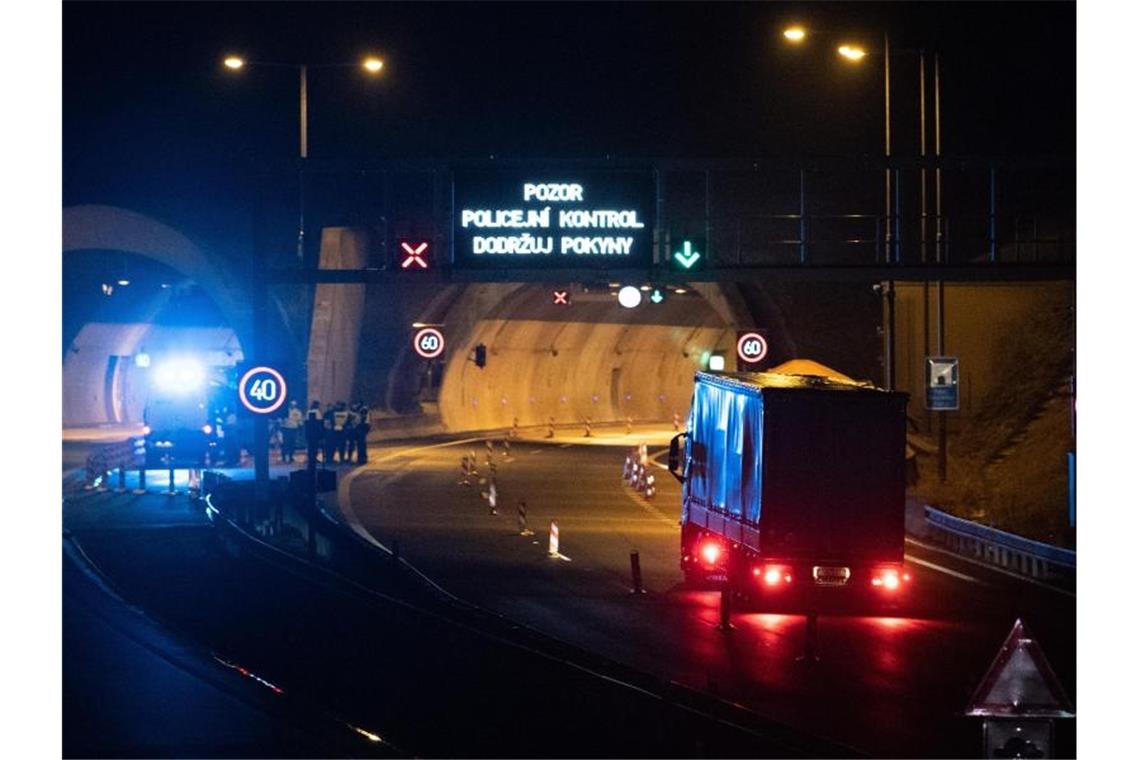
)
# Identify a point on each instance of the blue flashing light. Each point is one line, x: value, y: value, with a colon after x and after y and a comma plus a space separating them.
x: 180, y: 376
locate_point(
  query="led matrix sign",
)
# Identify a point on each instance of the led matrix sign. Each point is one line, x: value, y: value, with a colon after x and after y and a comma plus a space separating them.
x: 553, y: 220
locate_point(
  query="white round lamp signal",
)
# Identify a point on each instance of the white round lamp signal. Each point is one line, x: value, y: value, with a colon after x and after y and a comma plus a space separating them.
x: 629, y: 297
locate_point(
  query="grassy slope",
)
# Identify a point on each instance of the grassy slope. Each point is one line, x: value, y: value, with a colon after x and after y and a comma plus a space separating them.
x: 1026, y: 493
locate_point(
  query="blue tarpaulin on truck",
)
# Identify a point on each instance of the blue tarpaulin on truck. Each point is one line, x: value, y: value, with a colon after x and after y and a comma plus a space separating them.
x: 721, y: 480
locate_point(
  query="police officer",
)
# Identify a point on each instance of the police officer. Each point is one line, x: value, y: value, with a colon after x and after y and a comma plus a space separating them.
x: 330, y: 437
x: 363, y: 425
x: 350, y: 433
x: 314, y: 430
x: 289, y: 427
x: 340, y: 430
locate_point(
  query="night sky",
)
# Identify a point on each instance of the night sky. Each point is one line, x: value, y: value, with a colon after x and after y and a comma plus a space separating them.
x: 148, y: 107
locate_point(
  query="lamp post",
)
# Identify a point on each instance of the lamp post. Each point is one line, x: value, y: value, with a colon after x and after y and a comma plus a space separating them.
x: 371, y: 64
x: 234, y: 63
x: 854, y: 54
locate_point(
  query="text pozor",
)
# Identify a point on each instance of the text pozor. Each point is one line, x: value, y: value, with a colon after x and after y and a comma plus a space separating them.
x: 552, y: 191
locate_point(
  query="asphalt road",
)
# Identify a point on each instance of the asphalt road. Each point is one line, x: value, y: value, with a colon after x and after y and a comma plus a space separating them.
x: 890, y: 686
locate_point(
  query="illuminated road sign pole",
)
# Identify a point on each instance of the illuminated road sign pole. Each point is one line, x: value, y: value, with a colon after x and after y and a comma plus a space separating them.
x: 262, y: 391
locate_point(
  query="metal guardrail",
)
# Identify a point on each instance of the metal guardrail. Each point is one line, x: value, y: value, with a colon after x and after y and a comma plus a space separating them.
x: 107, y: 457
x: 1008, y: 551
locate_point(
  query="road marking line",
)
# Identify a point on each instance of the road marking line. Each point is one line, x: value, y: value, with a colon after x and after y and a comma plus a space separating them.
x: 652, y: 510
x: 941, y: 569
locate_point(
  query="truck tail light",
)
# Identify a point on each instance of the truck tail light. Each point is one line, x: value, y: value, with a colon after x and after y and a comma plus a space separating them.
x: 889, y: 579
x: 710, y: 552
x: 773, y: 575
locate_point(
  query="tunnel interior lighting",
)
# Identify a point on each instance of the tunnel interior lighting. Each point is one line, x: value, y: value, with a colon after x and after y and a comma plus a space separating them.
x: 373, y: 64
x: 795, y: 34
x: 181, y: 375
x: 629, y: 297
x: 716, y: 362
x: 852, y: 52
x: 234, y: 62
x: 142, y: 359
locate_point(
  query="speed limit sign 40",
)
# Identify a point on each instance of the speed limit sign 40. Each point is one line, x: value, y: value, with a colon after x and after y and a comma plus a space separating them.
x: 428, y: 342
x: 262, y: 390
x: 751, y: 347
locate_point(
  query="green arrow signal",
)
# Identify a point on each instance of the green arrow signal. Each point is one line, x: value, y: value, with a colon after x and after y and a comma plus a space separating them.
x: 688, y: 258
x: 656, y: 296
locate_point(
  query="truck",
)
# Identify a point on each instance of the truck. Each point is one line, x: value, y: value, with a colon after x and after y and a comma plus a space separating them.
x: 793, y: 488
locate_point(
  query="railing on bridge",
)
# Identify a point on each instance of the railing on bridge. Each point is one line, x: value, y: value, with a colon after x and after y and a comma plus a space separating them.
x: 764, y: 213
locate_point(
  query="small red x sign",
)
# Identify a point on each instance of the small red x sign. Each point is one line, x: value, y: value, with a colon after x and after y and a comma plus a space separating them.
x: 416, y: 254
x: 562, y: 297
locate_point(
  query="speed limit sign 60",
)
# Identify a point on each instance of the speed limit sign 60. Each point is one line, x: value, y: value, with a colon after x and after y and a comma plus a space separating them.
x: 751, y: 347
x: 428, y: 342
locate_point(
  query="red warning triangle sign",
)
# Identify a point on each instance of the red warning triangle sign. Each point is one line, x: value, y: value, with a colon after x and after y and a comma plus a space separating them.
x: 1020, y: 682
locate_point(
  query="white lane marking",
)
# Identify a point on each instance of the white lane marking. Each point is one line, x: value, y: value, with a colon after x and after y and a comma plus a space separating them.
x: 565, y: 445
x: 941, y: 569
x: 652, y: 510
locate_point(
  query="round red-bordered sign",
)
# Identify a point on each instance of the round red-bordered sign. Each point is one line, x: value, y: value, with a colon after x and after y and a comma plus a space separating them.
x: 428, y: 342
x: 262, y: 390
x: 751, y: 347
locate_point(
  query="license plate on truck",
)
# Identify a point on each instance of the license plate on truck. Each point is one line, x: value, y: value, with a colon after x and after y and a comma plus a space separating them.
x: 830, y: 575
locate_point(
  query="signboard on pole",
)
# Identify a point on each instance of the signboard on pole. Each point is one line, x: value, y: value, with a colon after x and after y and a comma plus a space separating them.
x: 262, y: 390
x: 942, y: 383
x: 1018, y: 699
x: 428, y: 342
x: 751, y: 349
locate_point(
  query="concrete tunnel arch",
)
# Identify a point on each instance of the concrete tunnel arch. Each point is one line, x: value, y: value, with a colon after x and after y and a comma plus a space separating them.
x: 97, y: 227
x: 88, y: 384
x: 595, y: 360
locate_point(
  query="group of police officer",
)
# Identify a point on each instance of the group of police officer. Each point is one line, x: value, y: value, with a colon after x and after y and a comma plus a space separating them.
x: 333, y: 434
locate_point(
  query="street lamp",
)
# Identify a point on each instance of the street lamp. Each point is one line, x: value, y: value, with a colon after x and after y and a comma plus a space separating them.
x: 371, y: 64
x: 854, y: 53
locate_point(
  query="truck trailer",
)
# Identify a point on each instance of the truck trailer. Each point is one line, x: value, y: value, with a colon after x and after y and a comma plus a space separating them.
x: 793, y: 487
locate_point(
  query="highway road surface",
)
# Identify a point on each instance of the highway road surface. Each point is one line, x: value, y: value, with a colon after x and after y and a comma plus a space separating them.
x: 889, y: 686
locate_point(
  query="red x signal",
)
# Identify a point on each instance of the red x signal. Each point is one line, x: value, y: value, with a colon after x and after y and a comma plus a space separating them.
x: 414, y: 255
x: 562, y: 297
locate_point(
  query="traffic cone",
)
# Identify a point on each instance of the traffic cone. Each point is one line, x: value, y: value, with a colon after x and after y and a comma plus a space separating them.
x: 552, y: 546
